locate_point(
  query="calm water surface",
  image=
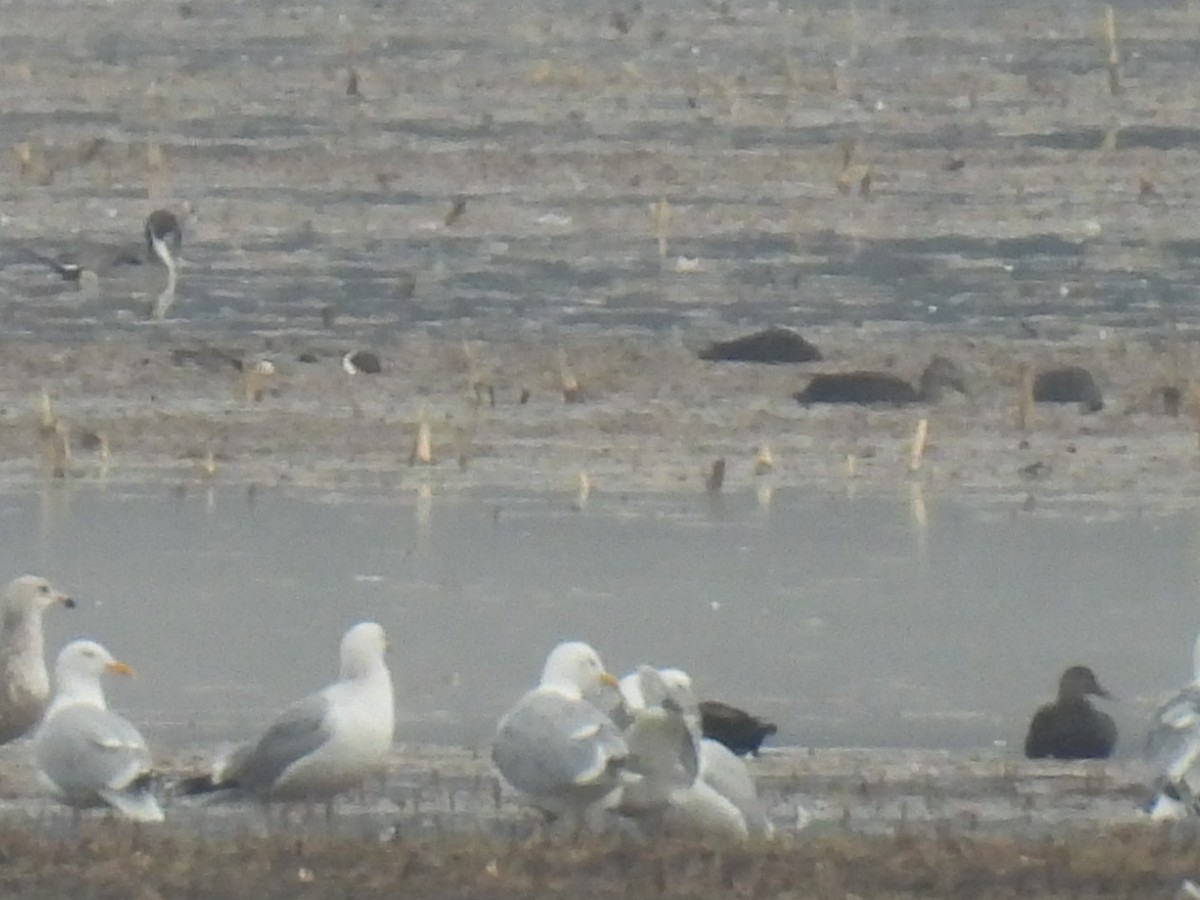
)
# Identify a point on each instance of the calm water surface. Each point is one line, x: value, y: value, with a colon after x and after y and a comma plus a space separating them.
x: 849, y: 620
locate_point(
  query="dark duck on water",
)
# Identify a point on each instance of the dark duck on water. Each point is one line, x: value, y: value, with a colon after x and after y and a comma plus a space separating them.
x: 882, y: 388
x: 1070, y: 727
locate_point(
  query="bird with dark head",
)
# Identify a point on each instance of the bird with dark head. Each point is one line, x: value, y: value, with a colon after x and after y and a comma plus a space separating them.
x: 1068, y: 384
x: 737, y: 729
x: 1070, y: 727
x: 164, y: 238
x: 869, y: 388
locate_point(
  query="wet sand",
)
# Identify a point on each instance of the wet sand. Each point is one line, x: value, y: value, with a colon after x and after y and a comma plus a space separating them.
x: 652, y: 418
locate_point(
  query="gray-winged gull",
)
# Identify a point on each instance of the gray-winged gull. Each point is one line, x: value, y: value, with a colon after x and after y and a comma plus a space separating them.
x: 24, y: 681
x: 318, y: 747
x: 86, y: 754
x: 556, y: 748
x: 702, y: 786
x: 1173, y: 748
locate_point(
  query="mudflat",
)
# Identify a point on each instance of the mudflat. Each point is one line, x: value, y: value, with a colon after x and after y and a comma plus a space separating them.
x: 520, y: 205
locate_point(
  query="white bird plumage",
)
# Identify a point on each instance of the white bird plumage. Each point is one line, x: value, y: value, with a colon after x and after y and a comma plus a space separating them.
x: 556, y: 748
x: 1172, y: 748
x: 322, y: 745
x: 698, y: 785
x: 24, y: 681
x: 87, y: 755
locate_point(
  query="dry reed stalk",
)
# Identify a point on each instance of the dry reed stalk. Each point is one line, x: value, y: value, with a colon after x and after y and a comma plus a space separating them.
x: 567, y: 381
x: 850, y: 465
x: 32, y: 165
x: 661, y: 213
x: 716, y: 476
x: 1114, y: 56
x: 583, y: 490
x: 208, y: 465
x: 47, y: 417
x: 1025, y: 377
x: 156, y: 170
x: 458, y: 206
x: 56, y: 449
x: 422, y: 449
x: 920, y: 439
x: 844, y: 176
x: 764, y: 461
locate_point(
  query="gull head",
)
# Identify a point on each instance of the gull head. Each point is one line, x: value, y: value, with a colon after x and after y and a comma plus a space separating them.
x: 31, y: 593
x: 87, y: 661
x: 576, y: 667
x: 363, y: 648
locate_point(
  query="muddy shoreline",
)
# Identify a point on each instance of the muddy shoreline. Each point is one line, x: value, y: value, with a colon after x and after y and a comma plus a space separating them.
x: 175, y: 409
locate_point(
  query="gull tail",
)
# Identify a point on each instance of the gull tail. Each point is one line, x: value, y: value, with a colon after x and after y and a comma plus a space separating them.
x: 136, y: 801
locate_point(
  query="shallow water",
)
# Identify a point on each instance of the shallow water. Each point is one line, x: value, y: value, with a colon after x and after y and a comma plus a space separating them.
x: 560, y: 130
x: 849, y: 620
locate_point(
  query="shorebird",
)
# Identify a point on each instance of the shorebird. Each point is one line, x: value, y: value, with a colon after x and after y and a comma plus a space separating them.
x: 163, y: 240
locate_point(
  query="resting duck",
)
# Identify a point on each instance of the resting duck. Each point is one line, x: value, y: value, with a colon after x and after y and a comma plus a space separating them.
x: 738, y: 730
x: 1070, y: 727
x: 883, y: 388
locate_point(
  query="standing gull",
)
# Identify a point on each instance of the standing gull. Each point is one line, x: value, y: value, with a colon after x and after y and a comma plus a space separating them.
x: 325, y: 744
x: 1173, y: 748
x: 559, y: 750
x: 87, y: 755
x: 701, y: 785
x: 24, y: 682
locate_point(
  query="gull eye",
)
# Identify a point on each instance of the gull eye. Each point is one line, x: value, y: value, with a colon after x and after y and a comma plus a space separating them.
x: 43, y: 588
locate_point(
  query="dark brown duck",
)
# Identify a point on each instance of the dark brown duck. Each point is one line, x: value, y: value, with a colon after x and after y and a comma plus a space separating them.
x: 882, y: 388
x: 771, y: 345
x: 1070, y: 727
x: 1068, y: 384
x: 737, y: 729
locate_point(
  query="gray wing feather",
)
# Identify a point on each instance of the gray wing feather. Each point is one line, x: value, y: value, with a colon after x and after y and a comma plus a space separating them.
x: 548, y: 743
x: 298, y: 731
x: 1173, y: 741
x: 83, y: 749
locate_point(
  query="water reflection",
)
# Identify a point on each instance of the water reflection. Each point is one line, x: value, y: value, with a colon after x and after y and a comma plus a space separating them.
x: 848, y: 620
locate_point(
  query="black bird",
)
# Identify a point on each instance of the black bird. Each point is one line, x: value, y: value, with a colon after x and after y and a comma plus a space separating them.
x: 361, y: 362
x: 736, y: 729
x: 161, y: 228
x: 163, y: 239
x: 1068, y: 384
x: 1070, y: 727
x: 771, y: 345
x: 882, y: 388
